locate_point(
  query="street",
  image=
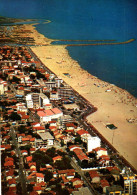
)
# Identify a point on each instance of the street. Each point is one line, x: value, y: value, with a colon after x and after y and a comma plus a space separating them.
x: 22, y: 177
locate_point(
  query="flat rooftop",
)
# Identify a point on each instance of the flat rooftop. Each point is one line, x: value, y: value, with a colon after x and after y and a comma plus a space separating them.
x: 46, y: 136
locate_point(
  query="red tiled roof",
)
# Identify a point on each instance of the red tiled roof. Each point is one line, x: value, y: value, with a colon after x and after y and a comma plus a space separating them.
x: 29, y: 158
x: 6, y: 137
x: 20, y: 88
x: 25, y: 117
x: 10, y: 172
x: 75, y: 179
x: 22, y: 135
x: 32, y: 149
x: 34, y: 123
x: 105, y: 157
x: 112, y: 168
x: 32, y: 139
x: 52, y: 127
x: 8, y: 164
x: 32, y: 164
x: 98, y: 149
x: 57, y: 158
x: 93, y: 174
x: 65, y: 180
x: 9, y: 159
x: 70, y: 125
x: 37, y: 188
x: 41, y: 113
x: 12, y: 153
x: 33, y: 193
x: 52, y: 121
x: 70, y: 131
x: 41, y: 184
x: 12, y: 191
x: 24, y: 151
x: 80, y: 154
x: 39, y: 128
x: 39, y: 175
x: 66, y: 171
x: 104, y: 183
x: 43, y: 149
x: 12, y: 181
x: 74, y: 146
x: 56, y: 111
x: 29, y: 136
x: 82, y: 132
x: 43, y: 169
x: 78, y: 186
x: 25, y: 139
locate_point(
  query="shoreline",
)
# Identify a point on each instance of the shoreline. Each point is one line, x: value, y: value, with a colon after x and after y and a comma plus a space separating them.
x: 115, y: 105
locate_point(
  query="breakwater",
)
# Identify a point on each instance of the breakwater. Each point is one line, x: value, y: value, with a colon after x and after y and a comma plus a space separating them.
x: 94, y: 44
x: 69, y: 40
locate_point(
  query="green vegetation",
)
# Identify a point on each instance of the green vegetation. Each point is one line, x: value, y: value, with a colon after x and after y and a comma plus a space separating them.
x: 14, y: 116
x: 41, y: 159
x: 5, y: 20
x: 63, y: 164
x: 15, y: 79
x: 48, y: 175
x: 22, y: 129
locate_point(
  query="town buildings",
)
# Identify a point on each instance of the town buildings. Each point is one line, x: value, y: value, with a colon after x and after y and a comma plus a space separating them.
x: 47, y: 142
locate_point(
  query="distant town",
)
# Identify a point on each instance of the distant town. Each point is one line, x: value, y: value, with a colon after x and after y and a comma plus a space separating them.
x: 47, y: 145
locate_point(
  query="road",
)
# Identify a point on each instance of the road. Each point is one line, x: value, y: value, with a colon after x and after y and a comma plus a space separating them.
x: 81, y: 173
x: 22, y: 177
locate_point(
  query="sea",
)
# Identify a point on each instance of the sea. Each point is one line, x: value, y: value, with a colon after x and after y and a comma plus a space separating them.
x: 88, y: 20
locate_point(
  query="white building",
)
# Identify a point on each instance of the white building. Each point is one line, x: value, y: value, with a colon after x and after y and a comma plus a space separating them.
x: 3, y: 87
x: 93, y: 142
x: 48, y: 115
x: 58, y: 82
x: 46, y: 140
x: 36, y: 100
x: 39, y: 177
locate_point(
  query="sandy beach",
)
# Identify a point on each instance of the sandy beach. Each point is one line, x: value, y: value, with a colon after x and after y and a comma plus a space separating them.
x: 115, y: 105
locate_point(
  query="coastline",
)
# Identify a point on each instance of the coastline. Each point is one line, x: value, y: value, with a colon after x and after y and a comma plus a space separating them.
x: 114, y: 104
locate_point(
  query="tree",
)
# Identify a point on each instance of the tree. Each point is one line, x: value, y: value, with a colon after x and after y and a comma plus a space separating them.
x: 71, y: 153
x: 41, y: 158
x: 77, y: 175
x: 78, y: 140
x: 63, y: 164
x: 39, y: 75
x: 85, y: 145
x: 104, y: 171
x: 15, y: 79
x: 19, y: 188
x: 62, y: 143
x: 84, y: 164
x: 61, y: 153
x: 30, y: 187
x: 38, y: 164
x: 27, y: 147
x: 92, y: 155
x: 51, y: 152
x: 22, y: 129
x: 48, y: 175
x: 16, y: 173
x: 14, y: 116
